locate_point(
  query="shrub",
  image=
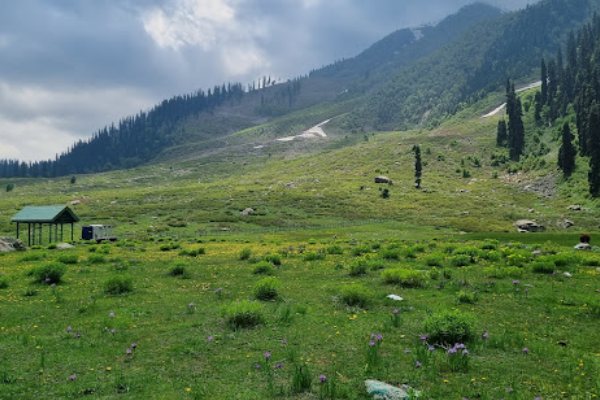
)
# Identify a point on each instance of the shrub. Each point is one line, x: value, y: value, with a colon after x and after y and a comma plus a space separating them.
x: 263, y: 268
x: 542, y: 267
x: 177, y: 270
x: 565, y: 259
x: 273, y: 259
x: 434, y: 260
x: 465, y: 297
x: 360, y: 250
x: 118, y: 285
x: 96, y: 259
x: 404, y: 277
x: 193, y: 252
x: 33, y: 257
x: 503, y: 272
x: 391, y: 254
x: 266, y: 289
x: 449, y: 327
x: 314, y: 256
x: 3, y: 282
x: 169, y: 246
x: 355, y: 296
x: 491, y: 255
x: 460, y: 260
x: 244, y: 314
x: 50, y: 273
x: 358, y: 268
x: 68, y: 259
x: 245, y: 254
x: 334, y: 250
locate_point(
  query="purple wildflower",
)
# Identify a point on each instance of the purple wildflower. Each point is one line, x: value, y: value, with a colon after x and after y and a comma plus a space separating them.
x: 525, y: 350
x: 418, y: 364
x: 279, y: 365
x: 257, y: 366
x: 322, y: 378
x: 129, y: 351
x: 372, y: 343
x: 267, y: 355
x: 423, y: 338
x: 210, y: 338
x: 452, y: 350
x: 72, y: 377
x: 379, y: 337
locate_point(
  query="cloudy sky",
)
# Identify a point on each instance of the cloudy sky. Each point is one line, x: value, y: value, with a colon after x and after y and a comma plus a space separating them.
x: 69, y: 67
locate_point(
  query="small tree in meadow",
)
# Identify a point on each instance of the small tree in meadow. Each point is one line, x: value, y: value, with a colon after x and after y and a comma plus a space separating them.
x: 418, y: 166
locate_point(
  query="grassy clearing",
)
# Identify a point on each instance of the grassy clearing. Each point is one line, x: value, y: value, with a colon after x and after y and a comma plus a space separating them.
x: 206, y: 336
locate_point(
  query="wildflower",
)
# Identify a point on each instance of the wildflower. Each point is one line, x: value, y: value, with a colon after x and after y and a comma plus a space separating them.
x: 379, y: 337
x: 267, y: 355
x: 431, y: 348
x: 525, y: 350
x: 210, y: 338
x: 129, y: 351
x: 77, y: 335
x: 133, y: 345
x: 395, y: 311
x: 372, y: 343
x: 73, y: 377
x: 423, y: 338
x: 322, y: 378
x: 284, y: 342
x: 111, y: 314
x: 485, y: 335
x: 69, y: 329
x: 257, y: 366
x: 418, y: 364
x: 279, y: 365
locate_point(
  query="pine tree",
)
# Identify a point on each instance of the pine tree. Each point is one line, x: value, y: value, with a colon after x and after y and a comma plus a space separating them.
x: 418, y: 166
x: 544, y: 79
x: 594, y: 150
x: 538, y: 108
x: 516, y: 130
x: 567, y: 152
x: 501, y: 134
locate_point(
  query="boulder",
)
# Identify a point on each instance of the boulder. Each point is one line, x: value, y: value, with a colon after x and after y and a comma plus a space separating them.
x: 383, y: 391
x: 583, y: 246
x: 575, y: 207
x: 247, y: 211
x: 75, y: 202
x: 567, y: 223
x: 64, y: 246
x: 10, y: 244
x: 526, y: 225
x: 383, y: 179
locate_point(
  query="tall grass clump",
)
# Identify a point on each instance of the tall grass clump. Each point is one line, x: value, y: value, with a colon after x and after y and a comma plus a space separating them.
x: 50, y: 273
x: 68, y: 259
x: 263, y: 268
x: 358, y: 268
x: 355, y: 296
x: 273, y: 259
x: 245, y: 254
x: 449, y: 327
x: 244, y: 314
x: 267, y: 289
x: 118, y: 285
x: 301, y: 379
x: 405, y: 277
x: 3, y: 282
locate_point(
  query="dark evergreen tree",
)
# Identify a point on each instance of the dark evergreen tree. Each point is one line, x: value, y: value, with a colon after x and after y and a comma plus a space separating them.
x: 501, y: 134
x: 516, y: 130
x: 538, y: 108
x: 418, y: 166
x: 594, y: 136
x: 544, y: 79
x: 567, y: 152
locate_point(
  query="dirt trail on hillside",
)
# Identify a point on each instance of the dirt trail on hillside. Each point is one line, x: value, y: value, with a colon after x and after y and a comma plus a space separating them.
x: 503, y: 106
x: 314, y: 132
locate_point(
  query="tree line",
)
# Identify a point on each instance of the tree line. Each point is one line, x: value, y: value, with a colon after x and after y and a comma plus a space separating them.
x: 133, y: 141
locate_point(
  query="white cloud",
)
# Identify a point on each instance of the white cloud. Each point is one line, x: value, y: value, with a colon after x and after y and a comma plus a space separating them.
x: 189, y: 23
x: 36, y: 123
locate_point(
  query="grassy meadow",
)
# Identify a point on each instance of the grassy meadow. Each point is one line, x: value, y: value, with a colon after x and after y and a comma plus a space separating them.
x: 198, y: 301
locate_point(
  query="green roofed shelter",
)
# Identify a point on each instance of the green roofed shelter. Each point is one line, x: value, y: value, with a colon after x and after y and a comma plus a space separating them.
x: 37, y: 216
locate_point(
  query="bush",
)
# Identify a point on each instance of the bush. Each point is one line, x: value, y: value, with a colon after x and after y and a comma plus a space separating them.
x: 96, y: 259
x: 449, y: 327
x: 244, y: 314
x: 358, y: 268
x: 314, y: 256
x: 335, y: 250
x: 169, y: 246
x: 434, y: 260
x: 301, y: 379
x: 33, y: 257
x: 355, y: 296
x: 177, y: 270
x: 3, y: 282
x: 263, y: 268
x: 273, y: 259
x: 245, y: 254
x: 360, y: 250
x: 118, y: 285
x: 193, y: 252
x: 391, y: 254
x: 503, y: 272
x: 266, y: 289
x: 404, y: 277
x: 465, y: 297
x: 50, y: 273
x: 68, y: 259
x: 541, y: 267
x: 460, y: 260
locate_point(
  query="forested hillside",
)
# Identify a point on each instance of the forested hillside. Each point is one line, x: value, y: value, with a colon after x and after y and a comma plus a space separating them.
x: 412, y: 77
